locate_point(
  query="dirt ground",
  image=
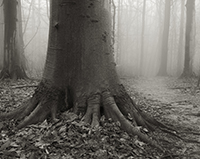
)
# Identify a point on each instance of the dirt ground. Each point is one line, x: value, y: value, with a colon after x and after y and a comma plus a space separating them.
x: 174, y: 101
x: 180, y: 99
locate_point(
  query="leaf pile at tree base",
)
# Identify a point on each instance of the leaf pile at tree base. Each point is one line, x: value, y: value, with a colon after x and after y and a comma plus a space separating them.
x: 71, y: 138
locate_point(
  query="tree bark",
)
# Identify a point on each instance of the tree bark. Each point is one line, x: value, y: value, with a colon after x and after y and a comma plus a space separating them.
x: 119, y: 37
x: 13, y: 63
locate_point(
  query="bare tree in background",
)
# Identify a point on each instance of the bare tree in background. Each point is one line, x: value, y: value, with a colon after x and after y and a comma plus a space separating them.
x: 13, y: 56
x: 142, y: 35
x: 189, y: 38
x: 181, y: 37
x: 1, y: 35
x: 165, y: 38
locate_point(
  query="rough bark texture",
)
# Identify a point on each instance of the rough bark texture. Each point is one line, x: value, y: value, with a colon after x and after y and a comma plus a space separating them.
x: 80, y: 72
x: 190, y: 7
x: 13, y: 59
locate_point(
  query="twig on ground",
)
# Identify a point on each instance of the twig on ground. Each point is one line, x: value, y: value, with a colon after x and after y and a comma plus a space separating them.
x: 22, y: 86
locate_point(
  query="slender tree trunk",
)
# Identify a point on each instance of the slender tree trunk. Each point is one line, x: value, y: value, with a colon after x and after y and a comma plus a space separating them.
x: 1, y: 35
x: 154, y: 62
x: 190, y: 11
x: 142, y: 35
x: 13, y: 64
x: 137, y: 34
x: 21, y: 40
x: 165, y: 36
x: 181, y: 38
x: 39, y: 30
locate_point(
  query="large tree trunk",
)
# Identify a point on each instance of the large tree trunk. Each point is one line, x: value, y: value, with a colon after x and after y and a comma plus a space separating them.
x: 165, y: 36
x: 190, y: 7
x: 14, y: 61
x: 80, y: 71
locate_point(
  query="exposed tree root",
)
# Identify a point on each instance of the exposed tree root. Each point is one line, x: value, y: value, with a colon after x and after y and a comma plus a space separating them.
x: 37, y: 108
x: 20, y: 112
x: 141, y: 118
x: 4, y: 74
x: 92, y: 114
x: 112, y: 111
x: 117, y: 106
x: 124, y: 102
x: 39, y: 114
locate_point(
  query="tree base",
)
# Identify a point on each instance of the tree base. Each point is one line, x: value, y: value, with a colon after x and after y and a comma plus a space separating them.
x: 17, y: 73
x: 162, y: 73
x: 48, y: 101
x: 187, y: 74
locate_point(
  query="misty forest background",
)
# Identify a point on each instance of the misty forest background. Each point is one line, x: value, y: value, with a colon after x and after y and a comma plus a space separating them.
x: 138, y: 32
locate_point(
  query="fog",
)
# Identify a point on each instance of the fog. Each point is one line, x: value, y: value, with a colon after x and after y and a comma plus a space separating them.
x: 137, y: 36
x: 131, y: 50
x: 35, y: 15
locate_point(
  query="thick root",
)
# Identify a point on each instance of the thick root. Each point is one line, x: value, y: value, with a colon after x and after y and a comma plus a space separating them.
x: 124, y: 101
x: 19, y: 113
x: 27, y: 107
x: 112, y: 111
x: 39, y: 114
x: 4, y: 74
x: 46, y: 102
x: 92, y: 114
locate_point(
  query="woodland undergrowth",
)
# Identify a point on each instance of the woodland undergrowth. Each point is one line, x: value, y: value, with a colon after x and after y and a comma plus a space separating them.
x: 71, y: 138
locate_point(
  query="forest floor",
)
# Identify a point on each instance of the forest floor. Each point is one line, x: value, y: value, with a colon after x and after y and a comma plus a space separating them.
x: 174, y: 102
